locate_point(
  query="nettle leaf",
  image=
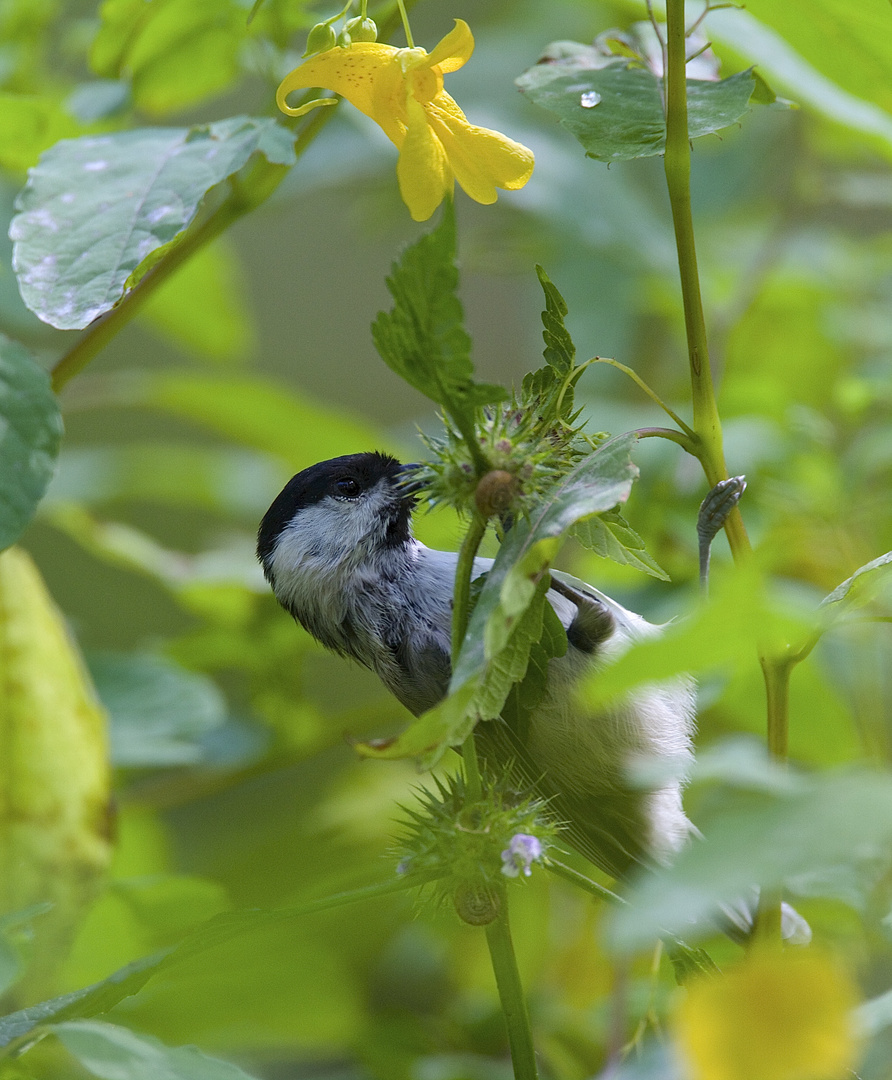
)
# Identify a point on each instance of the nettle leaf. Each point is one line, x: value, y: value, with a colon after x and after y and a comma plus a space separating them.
x: 553, y: 383
x: 721, y: 635
x: 112, y: 1052
x: 507, y: 621
x: 612, y: 537
x: 30, y: 434
x: 423, y: 338
x: 614, y: 106
x: 814, y: 834
x: 95, y: 208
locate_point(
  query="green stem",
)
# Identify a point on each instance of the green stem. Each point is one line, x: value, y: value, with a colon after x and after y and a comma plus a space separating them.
x: 667, y: 433
x: 511, y: 996
x: 636, y: 378
x: 406, y: 28
x: 585, y: 883
x: 461, y: 610
x: 707, y: 424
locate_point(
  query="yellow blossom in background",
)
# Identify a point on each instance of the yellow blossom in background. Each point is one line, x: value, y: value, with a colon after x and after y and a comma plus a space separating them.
x: 777, y: 1016
x: 402, y: 91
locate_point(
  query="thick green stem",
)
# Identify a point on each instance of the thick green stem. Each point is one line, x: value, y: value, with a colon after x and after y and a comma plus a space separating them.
x: 511, y: 996
x: 707, y: 424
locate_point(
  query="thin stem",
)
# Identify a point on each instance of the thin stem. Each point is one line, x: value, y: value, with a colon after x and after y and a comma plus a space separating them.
x: 586, y: 883
x: 406, y: 28
x: 461, y: 606
x: 636, y: 378
x: 511, y: 996
x: 667, y: 433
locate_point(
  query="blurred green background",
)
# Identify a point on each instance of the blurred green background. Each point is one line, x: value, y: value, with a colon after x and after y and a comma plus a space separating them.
x: 235, y: 785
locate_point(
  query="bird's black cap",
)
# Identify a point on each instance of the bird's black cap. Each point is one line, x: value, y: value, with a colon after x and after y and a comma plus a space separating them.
x: 348, y: 476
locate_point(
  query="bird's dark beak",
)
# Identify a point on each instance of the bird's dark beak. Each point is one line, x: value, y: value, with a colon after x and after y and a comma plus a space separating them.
x: 409, y: 482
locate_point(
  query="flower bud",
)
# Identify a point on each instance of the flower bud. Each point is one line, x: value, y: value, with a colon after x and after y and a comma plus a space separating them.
x: 495, y: 493
x: 320, y: 39
x: 362, y: 29
x: 476, y: 903
x: 344, y: 40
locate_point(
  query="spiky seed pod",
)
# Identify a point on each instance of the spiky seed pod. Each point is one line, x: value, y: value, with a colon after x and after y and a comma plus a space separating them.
x: 496, y: 492
x: 477, y: 903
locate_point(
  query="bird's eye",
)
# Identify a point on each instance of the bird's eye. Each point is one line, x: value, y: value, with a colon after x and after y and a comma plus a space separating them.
x: 348, y: 487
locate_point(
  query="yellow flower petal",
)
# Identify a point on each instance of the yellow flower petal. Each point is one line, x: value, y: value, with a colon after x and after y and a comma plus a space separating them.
x: 423, y: 172
x: 482, y: 159
x: 776, y: 1016
x: 454, y: 50
x: 356, y: 73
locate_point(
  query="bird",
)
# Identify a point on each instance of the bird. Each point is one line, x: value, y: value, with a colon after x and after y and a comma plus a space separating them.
x: 338, y: 550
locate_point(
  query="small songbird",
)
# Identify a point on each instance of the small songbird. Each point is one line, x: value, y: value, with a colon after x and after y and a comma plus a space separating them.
x: 337, y: 548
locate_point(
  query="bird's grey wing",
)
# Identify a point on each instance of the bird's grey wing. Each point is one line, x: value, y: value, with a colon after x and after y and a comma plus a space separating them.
x: 423, y: 672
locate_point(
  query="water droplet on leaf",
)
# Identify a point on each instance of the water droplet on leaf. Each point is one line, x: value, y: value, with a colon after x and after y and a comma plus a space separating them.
x: 590, y: 99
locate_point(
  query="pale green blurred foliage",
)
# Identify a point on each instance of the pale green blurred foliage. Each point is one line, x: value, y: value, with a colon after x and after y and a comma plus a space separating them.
x: 257, y: 361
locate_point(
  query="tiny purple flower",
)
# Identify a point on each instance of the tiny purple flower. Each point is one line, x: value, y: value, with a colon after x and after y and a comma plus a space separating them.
x: 522, y: 851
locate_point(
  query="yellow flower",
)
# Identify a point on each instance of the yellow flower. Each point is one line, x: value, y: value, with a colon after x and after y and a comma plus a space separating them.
x: 402, y: 91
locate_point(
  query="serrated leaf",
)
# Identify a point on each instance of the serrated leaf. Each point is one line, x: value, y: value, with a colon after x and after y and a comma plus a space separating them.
x: 721, y: 635
x: 610, y: 536
x: 822, y: 828
x: 552, y: 384
x: 30, y: 434
x: 94, y: 208
x: 615, y: 107
x: 423, y: 338
x: 112, y: 1052
x: 507, y: 620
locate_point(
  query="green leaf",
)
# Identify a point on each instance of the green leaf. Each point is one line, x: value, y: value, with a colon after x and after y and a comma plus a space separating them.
x: 824, y: 829
x: 94, y: 208
x: 116, y: 1053
x: 423, y: 338
x: 30, y: 434
x: 833, y: 56
x: 721, y: 635
x: 158, y: 711
x: 97, y: 998
x: 863, y: 586
x: 610, y: 536
x: 552, y: 384
x: 615, y: 109
x: 507, y: 620
x: 176, y: 52
x: 596, y: 484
